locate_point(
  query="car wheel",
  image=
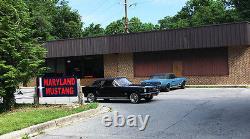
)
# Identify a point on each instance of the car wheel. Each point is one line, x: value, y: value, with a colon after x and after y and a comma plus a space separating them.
x: 167, y: 89
x: 91, y: 97
x: 134, y: 98
x: 149, y: 98
x: 183, y: 85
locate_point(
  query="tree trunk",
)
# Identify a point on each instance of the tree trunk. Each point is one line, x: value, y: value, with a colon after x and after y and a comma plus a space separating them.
x: 9, y: 101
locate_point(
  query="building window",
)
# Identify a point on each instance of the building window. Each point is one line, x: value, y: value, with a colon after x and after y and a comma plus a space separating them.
x: 81, y: 67
x: 85, y: 67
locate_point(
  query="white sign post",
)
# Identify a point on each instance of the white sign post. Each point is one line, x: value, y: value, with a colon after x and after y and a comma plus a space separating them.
x: 38, y: 91
x: 80, y: 93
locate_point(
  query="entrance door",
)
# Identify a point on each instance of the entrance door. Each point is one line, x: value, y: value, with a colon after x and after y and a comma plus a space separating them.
x: 177, y: 68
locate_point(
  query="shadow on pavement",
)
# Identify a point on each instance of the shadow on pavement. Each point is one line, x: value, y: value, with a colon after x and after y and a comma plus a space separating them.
x: 123, y: 101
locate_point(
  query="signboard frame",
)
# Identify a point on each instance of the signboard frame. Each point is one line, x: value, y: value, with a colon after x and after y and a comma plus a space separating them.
x: 65, y: 86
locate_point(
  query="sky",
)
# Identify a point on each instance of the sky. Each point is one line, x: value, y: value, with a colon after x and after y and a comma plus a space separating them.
x: 105, y: 11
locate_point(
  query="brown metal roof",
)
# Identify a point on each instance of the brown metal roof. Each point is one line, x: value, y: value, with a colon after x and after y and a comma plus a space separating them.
x: 210, y: 36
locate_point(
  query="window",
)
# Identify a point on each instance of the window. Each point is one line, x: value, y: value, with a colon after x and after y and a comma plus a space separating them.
x: 85, y: 67
x: 96, y: 83
x: 171, y: 76
x: 123, y: 82
x: 108, y: 83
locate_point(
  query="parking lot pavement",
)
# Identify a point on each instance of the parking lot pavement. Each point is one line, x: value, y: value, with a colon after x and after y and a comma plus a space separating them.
x: 179, y: 114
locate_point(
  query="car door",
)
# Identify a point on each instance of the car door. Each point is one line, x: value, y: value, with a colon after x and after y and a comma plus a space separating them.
x: 119, y: 91
x: 174, y: 80
x: 106, y: 89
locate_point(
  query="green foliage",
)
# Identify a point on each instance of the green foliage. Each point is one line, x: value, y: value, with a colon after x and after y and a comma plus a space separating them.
x: 115, y: 27
x: 53, y: 19
x: 66, y: 22
x: 135, y: 25
x: 243, y: 8
x: 93, y: 30
x: 21, y: 56
x: 41, y: 12
x: 26, y: 136
x: 200, y: 12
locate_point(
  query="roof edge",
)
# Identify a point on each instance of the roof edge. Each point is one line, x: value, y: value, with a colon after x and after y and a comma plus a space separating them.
x: 185, y: 28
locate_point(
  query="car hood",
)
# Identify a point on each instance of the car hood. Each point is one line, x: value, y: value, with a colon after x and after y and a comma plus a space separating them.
x: 154, y: 80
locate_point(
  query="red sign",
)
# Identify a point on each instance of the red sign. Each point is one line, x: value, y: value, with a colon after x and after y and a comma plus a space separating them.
x: 58, y: 87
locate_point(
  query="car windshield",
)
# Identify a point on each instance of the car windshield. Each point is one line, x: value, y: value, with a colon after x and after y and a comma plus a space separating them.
x: 159, y: 77
x: 123, y: 82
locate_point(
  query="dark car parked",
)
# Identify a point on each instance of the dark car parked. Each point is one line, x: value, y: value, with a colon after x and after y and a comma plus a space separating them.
x: 119, y: 88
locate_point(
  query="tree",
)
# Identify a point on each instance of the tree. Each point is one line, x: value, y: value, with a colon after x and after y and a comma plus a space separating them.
x: 21, y: 56
x: 41, y: 12
x: 243, y: 8
x: 135, y: 25
x: 200, y: 12
x: 93, y: 30
x: 66, y: 22
x: 54, y: 19
x: 116, y: 27
x: 149, y: 27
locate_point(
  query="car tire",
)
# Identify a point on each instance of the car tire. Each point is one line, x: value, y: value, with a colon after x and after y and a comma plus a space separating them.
x: 134, y: 98
x: 91, y: 97
x: 167, y: 88
x: 183, y: 85
x: 149, y: 98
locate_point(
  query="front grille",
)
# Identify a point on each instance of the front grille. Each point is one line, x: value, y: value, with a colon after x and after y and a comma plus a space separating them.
x: 151, y: 83
x: 152, y: 89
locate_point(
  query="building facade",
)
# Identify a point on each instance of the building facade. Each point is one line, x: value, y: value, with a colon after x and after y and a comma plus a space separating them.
x: 207, y: 55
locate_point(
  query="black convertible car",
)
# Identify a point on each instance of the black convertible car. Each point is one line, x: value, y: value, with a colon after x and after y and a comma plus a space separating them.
x: 119, y: 88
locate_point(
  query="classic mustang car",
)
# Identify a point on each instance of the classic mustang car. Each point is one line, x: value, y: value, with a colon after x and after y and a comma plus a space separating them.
x: 119, y: 88
x: 166, y: 81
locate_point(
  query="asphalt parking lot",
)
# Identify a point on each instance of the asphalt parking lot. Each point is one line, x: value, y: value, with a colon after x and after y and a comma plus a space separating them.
x: 179, y: 114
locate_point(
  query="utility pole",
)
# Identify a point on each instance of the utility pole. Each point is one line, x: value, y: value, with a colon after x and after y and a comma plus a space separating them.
x: 126, y: 16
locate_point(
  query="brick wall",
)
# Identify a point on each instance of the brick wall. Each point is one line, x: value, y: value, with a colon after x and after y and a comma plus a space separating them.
x: 121, y: 65
x: 239, y: 70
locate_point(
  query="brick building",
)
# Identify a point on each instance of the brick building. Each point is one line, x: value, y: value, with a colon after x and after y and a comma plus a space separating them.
x: 211, y: 55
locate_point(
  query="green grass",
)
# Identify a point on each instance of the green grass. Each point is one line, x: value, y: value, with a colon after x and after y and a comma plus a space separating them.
x: 27, y: 115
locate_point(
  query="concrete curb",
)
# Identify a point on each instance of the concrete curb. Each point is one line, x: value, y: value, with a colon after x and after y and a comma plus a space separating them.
x: 217, y: 86
x: 36, y: 129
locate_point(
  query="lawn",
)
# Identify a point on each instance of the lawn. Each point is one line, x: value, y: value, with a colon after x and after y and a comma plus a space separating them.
x: 27, y: 115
